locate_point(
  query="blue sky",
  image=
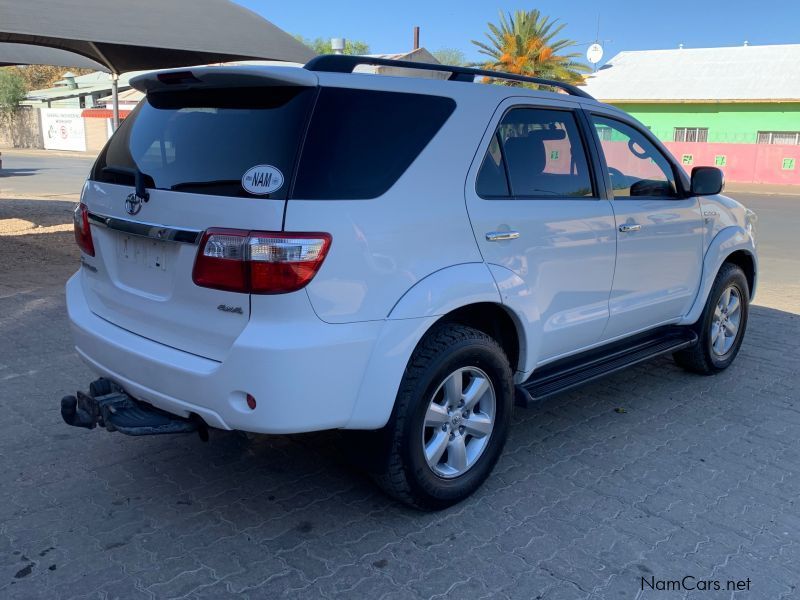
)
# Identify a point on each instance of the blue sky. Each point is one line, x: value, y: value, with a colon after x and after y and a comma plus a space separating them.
x: 629, y: 24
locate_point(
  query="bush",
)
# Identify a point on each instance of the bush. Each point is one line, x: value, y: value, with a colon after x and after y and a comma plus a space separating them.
x: 323, y: 45
x: 12, y: 90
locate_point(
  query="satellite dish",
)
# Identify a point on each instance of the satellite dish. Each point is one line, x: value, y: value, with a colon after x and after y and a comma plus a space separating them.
x: 594, y: 53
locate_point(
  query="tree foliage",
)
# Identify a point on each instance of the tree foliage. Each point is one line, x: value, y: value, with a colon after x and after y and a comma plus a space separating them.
x: 450, y: 56
x: 12, y: 90
x: 323, y: 45
x: 525, y: 43
x: 38, y: 77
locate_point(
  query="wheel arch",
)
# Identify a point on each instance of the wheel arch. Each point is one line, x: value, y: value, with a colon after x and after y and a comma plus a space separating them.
x: 399, y: 339
x: 496, y: 321
x: 464, y: 293
x: 745, y: 261
x: 734, y: 245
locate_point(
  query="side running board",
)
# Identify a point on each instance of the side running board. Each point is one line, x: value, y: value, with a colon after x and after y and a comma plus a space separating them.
x: 576, y: 370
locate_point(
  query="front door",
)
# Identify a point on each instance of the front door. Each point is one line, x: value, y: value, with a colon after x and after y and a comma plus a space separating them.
x: 542, y: 227
x: 659, y: 231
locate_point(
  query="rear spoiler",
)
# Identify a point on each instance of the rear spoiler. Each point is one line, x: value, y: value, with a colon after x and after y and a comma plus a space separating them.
x: 224, y: 77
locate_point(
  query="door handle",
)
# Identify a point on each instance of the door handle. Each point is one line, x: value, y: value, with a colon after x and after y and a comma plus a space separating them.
x: 499, y: 236
x: 628, y: 228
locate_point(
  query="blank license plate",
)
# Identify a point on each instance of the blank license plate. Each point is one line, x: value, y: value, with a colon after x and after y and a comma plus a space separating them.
x: 151, y: 254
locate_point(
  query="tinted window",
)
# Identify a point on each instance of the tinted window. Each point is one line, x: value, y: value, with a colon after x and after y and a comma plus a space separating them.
x: 203, y: 141
x: 543, y: 153
x: 636, y: 167
x: 492, y: 181
x: 360, y: 142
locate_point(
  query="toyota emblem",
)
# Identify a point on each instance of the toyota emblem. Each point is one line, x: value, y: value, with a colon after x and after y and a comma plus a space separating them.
x: 133, y: 204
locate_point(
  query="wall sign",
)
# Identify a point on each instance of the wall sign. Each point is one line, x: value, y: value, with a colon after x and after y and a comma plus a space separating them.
x: 687, y: 159
x: 720, y: 160
x: 63, y: 129
x: 788, y: 164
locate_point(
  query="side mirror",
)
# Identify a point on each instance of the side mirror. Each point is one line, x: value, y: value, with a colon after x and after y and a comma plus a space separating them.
x: 652, y: 187
x: 707, y: 181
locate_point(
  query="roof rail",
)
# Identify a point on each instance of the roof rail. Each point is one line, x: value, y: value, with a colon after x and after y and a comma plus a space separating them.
x: 345, y: 63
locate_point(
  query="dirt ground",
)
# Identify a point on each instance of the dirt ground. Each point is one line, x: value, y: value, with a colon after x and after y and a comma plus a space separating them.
x: 36, y: 244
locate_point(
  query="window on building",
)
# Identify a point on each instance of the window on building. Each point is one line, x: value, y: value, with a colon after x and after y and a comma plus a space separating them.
x: 691, y: 134
x: 604, y: 133
x: 791, y: 138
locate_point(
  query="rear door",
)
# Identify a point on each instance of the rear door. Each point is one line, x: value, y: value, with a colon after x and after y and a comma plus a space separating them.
x: 659, y: 230
x: 536, y: 211
x: 208, y: 157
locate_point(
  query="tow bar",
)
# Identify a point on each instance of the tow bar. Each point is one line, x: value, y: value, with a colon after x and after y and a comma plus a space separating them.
x: 107, y: 405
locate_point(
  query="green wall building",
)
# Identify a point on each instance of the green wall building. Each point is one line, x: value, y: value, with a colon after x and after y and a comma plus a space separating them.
x: 744, y: 94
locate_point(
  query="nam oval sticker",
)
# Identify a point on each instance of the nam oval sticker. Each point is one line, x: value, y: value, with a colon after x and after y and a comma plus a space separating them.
x: 262, y: 179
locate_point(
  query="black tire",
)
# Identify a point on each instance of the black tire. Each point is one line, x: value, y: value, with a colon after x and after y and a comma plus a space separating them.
x: 702, y: 358
x: 405, y: 473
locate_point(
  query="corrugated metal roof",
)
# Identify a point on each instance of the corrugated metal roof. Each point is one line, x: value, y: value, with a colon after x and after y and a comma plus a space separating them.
x: 420, y: 55
x: 416, y: 55
x: 128, y: 96
x: 90, y: 83
x: 740, y: 73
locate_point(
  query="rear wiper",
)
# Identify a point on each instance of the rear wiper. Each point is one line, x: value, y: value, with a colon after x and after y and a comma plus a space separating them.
x: 138, y: 179
x: 191, y: 184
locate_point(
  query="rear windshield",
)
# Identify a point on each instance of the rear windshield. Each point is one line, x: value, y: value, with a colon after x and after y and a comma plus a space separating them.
x: 244, y: 142
x: 205, y: 141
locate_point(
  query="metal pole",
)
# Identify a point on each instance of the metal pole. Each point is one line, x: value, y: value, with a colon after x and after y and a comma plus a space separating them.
x: 115, y: 99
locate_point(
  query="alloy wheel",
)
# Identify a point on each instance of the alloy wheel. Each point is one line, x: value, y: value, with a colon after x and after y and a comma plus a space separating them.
x: 458, y: 422
x: 726, y: 320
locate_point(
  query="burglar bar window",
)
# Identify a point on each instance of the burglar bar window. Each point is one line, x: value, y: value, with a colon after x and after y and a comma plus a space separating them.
x: 691, y: 134
x: 604, y: 133
x: 791, y: 138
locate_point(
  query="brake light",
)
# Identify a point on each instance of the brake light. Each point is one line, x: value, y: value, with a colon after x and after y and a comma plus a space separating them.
x: 83, y: 234
x: 171, y: 77
x: 259, y: 262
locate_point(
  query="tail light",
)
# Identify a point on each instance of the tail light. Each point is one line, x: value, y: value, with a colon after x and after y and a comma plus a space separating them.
x: 83, y: 234
x: 259, y: 262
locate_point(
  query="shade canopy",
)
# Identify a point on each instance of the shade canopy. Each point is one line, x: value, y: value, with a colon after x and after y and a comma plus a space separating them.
x: 148, y: 34
x: 25, y: 54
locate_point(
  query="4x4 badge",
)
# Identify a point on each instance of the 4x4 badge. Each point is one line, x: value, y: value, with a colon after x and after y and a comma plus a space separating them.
x: 133, y: 203
x: 231, y: 309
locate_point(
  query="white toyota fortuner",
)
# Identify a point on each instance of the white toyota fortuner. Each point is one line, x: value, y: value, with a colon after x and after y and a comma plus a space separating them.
x: 280, y: 249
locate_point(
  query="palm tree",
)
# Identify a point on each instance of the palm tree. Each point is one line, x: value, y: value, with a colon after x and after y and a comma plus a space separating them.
x: 524, y: 44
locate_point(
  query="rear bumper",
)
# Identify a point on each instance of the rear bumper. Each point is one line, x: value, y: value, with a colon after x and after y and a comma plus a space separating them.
x: 305, y: 374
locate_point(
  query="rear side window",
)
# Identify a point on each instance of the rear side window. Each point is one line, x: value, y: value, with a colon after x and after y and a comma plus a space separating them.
x: 492, y: 178
x: 205, y: 141
x: 535, y: 153
x: 360, y: 142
